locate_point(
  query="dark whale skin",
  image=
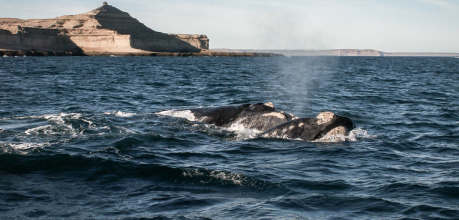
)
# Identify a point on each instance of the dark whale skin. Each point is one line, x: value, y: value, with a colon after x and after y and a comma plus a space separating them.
x: 260, y: 116
x: 307, y: 129
x: 272, y: 123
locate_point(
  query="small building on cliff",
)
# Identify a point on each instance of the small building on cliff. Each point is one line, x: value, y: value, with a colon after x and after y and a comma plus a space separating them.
x: 103, y: 30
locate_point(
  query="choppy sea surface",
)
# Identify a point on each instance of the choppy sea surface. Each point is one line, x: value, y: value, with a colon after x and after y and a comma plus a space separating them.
x: 81, y: 137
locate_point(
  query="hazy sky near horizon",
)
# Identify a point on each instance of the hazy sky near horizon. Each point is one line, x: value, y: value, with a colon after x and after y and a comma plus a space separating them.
x: 388, y: 25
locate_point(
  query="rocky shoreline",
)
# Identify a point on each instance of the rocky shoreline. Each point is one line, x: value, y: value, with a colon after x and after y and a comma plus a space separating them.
x: 30, y: 53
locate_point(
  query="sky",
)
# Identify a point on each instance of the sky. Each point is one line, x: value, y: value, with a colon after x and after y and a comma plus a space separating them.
x: 385, y: 25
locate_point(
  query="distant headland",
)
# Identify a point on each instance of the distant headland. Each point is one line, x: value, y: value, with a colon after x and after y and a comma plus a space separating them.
x: 105, y: 30
x: 343, y: 53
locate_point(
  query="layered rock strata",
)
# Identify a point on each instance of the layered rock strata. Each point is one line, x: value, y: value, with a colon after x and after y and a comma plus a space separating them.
x: 207, y: 53
x: 103, y: 30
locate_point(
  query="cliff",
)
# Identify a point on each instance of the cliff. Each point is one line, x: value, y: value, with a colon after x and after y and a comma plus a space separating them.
x: 103, y: 30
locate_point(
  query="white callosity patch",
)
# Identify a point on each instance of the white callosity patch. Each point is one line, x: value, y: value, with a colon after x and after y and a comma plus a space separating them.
x: 274, y: 114
x: 279, y: 133
x: 293, y: 117
x: 284, y: 131
x: 324, y: 117
x: 332, y: 138
x: 337, y: 131
x: 269, y: 104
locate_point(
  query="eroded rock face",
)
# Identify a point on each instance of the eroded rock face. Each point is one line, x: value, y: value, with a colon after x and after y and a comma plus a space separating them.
x: 105, y: 29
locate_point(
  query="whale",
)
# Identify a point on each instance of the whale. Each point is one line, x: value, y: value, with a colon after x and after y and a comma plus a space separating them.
x: 325, y: 124
x: 260, y: 117
x: 268, y: 122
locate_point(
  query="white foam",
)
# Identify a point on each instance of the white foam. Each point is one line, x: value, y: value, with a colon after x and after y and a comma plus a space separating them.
x: 125, y: 130
x: 360, y: 133
x: 34, y: 131
x: 120, y: 114
x: 57, y: 121
x: 180, y: 114
x: 242, y: 131
x: 57, y: 124
x: 20, y: 148
x: 26, y: 146
x: 59, y: 116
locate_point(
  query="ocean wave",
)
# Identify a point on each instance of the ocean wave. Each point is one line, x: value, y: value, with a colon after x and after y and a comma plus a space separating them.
x: 21, y: 148
x: 60, y: 123
x: 365, y: 205
x: 44, y: 130
x: 66, y: 123
x: 335, y: 185
x: 431, y: 212
x: 98, y: 169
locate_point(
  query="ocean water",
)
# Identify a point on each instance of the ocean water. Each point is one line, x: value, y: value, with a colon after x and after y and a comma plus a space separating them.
x: 81, y: 137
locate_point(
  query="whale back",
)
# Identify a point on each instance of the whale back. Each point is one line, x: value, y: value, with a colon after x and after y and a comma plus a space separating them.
x: 260, y: 116
x: 219, y: 116
x: 303, y: 128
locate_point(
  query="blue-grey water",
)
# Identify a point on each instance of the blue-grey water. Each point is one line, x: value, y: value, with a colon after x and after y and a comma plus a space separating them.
x: 80, y: 138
